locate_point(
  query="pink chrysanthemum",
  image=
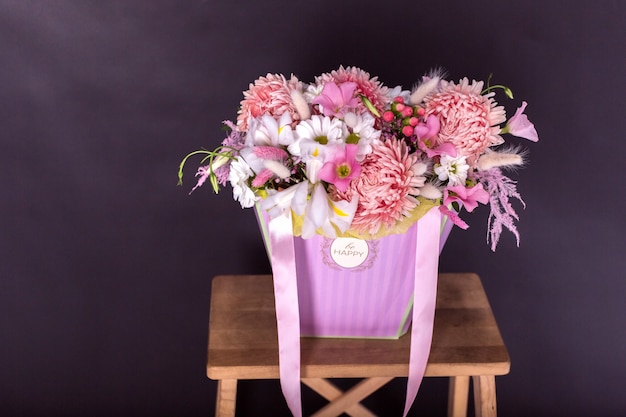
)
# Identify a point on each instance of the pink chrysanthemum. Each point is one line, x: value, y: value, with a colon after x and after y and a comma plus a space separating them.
x: 386, y: 187
x: 469, y: 120
x: 269, y: 95
x: 368, y: 86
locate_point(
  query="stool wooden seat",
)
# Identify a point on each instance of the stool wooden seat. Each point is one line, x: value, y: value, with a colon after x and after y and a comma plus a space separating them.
x: 243, y: 344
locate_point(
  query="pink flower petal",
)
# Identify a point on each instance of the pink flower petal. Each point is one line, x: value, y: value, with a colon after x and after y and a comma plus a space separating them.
x: 328, y: 172
x: 454, y: 217
x: 351, y: 152
x: 343, y: 157
x: 520, y: 126
x: 470, y: 197
x: 428, y: 130
x: 336, y: 99
x: 347, y: 93
x: 445, y: 148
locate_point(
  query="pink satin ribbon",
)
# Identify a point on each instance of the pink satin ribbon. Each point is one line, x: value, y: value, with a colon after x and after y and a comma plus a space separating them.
x: 288, y: 316
x: 424, y: 300
x: 283, y: 260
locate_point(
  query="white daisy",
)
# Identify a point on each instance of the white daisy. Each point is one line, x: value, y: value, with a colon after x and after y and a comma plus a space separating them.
x: 238, y: 176
x: 311, y: 139
x: 454, y: 170
x: 360, y: 130
x: 322, y: 129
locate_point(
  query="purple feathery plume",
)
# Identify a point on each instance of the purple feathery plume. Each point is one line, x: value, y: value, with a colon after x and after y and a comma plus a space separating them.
x: 222, y: 174
x: 234, y: 142
x: 500, y: 188
x: 235, y: 138
x: 203, y: 173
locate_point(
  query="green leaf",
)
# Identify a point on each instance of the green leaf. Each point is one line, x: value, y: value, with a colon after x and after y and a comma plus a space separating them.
x: 369, y: 105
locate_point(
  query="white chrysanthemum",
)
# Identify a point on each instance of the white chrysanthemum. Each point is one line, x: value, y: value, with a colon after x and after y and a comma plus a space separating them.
x: 238, y: 176
x: 360, y: 130
x: 454, y: 170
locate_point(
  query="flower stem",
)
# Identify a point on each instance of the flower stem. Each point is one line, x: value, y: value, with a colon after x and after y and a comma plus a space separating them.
x: 506, y: 89
x: 210, y: 155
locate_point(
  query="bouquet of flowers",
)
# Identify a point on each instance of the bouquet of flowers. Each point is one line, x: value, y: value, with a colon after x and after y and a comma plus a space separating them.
x: 348, y: 155
x: 375, y: 169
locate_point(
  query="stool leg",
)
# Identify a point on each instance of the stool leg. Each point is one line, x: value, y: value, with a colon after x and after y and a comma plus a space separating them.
x: 226, y: 398
x: 485, y: 395
x: 352, y: 396
x: 458, y: 391
x: 329, y: 391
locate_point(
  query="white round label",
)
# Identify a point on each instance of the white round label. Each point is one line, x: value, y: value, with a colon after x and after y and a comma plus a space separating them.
x: 349, y: 252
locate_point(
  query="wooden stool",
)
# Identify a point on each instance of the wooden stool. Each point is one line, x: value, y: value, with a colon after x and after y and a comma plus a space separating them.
x: 243, y: 344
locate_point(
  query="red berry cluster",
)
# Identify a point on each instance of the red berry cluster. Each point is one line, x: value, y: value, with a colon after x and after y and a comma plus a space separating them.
x: 403, y: 117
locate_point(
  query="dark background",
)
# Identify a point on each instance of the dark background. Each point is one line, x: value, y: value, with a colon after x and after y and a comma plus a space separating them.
x: 106, y: 265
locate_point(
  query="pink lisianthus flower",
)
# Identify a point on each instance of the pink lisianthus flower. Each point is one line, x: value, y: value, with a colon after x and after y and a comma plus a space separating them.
x: 428, y: 129
x: 426, y: 132
x: 342, y: 168
x: 470, y: 197
x: 337, y: 99
x: 367, y: 86
x: 520, y: 126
